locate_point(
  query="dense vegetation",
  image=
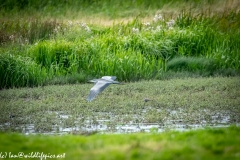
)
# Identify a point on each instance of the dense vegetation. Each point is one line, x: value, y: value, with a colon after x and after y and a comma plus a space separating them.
x: 44, y: 48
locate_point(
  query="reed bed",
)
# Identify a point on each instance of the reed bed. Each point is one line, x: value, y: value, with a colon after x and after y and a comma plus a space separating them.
x: 205, y: 43
x: 19, y: 71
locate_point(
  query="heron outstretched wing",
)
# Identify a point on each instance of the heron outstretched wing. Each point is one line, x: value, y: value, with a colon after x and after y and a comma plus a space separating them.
x: 97, y: 88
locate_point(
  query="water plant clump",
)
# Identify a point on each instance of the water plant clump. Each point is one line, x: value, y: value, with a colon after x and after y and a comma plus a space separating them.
x: 176, y: 104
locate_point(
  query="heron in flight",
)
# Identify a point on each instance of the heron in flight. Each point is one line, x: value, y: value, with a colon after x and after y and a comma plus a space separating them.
x: 100, y: 85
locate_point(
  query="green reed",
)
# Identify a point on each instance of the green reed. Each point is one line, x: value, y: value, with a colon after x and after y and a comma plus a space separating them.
x: 17, y: 71
x: 95, y: 58
x: 132, y: 51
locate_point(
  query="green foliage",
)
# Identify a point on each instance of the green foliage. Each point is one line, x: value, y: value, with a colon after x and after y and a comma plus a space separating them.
x: 17, y: 71
x: 58, y: 57
x: 111, y: 8
x: 192, y: 64
x: 70, y: 79
x: 102, y: 56
x: 25, y: 31
x: 131, y: 51
x: 216, y: 144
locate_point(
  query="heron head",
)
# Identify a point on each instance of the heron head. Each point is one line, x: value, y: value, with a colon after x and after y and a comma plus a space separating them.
x: 93, y: 80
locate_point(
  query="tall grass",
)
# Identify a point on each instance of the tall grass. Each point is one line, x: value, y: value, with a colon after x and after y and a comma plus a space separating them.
x: 25, y: 31
x: 95, y: 58
x: 204, y: 42
x: 17, y: 71
x: 112, y: 9
x: 213, y: 37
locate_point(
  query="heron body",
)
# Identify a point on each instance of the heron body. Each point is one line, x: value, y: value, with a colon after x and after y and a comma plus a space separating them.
x: 100, y: 85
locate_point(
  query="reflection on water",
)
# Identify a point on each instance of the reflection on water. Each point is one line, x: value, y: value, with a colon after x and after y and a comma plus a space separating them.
x: 112, y: 125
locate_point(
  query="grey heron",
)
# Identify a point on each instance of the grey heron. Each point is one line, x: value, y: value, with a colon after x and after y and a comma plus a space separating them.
x: 100, y: 85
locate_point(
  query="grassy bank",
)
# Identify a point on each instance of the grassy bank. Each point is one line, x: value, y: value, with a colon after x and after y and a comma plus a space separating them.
x: 148, y: 45
x: 219, y: 144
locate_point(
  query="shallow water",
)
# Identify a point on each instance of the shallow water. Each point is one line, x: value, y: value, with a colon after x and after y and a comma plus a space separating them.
x: 175, y: 105
x: 114, y: 125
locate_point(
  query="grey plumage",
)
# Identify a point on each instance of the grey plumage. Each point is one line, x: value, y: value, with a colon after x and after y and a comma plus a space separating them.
x: 100, y: 85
